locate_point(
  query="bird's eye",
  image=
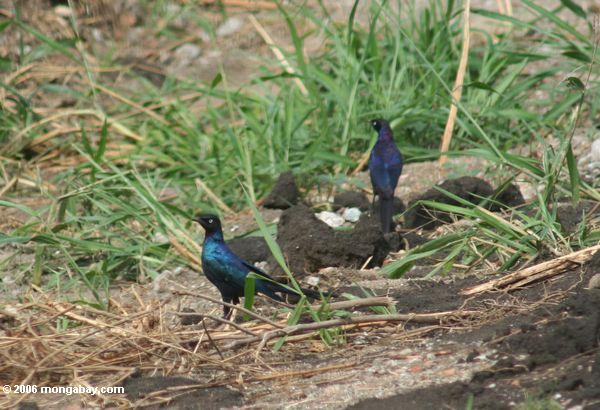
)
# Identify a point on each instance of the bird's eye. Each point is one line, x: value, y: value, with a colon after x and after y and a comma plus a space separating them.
x: 210, y: 221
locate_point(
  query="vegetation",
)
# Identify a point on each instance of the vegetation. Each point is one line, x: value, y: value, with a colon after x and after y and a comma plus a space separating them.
x: 123, y: 209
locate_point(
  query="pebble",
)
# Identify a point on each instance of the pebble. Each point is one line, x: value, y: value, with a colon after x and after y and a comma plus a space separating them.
x: 351, y: 214
x: 595, y: 151
x: 229, y: 27
x: 595, y: 282
x: 263, y: 265
x: 589, y: 163
x: 188, y: 51
x: 331, y: 218
x: 313, y: 280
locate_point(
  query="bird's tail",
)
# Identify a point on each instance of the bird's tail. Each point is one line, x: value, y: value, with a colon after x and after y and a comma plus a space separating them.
x: 309, y: 293
x: 386, y: 212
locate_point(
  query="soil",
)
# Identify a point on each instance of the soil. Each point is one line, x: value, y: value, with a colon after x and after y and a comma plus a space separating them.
x: 252, y: 249
x: 473, y: 189
x: 205, y: 398
x: 284, y: 194
x: 551, y: 351
x: 570, y: 217
x: 351, y: 199
x: 309, y: 244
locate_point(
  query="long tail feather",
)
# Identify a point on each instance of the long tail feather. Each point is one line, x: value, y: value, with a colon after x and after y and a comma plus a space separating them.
x: 386, y: 212
x: 312, y: 294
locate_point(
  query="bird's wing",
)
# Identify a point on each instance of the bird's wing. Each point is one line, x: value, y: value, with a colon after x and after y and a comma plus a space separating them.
x: 257, y: 270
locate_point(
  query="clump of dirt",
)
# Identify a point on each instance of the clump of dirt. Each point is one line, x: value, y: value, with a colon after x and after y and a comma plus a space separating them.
x: 284, y: 194
x: 250, y: 248
x: 570, y: 216
x: 469, y: 188
x: 210, y: 398
x: 351, y: 199
x: 310, y: 244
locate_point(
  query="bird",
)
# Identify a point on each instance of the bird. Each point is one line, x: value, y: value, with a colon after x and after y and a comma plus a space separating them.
x: 228, y: 272
x: 385, y: 167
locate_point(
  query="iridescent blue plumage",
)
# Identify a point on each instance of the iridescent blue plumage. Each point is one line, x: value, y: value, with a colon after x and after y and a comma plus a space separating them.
x: 385, y: 167
x: 228, y: 272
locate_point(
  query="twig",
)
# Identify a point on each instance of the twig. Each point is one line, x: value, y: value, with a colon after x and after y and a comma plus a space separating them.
x: 534, y: 273
x: 357, y: 303
x: 202, y: 186
x: 247, y: 4
x: 373, y: 319
x: 216, y: 319
x: 278, y: 54
x: 458, y: 83
x: 230, y: 305
x: 211, y: 340
x: 303, y: 373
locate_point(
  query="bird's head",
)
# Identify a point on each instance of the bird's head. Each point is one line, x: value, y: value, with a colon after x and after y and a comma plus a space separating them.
x: 378, y: 124
x: 209, y: 222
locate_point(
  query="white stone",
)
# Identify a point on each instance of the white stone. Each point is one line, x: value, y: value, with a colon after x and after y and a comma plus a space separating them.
x: 229, y: 26
x: 330, y: 218
x: 188, y: 51
x: 595, y: 151
x: 595, y: 282
x: 313, y: 280
x: 351, y: 214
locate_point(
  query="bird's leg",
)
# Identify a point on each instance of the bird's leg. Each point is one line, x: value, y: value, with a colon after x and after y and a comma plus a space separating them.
x: 226, y: 309
x: 236, y: 301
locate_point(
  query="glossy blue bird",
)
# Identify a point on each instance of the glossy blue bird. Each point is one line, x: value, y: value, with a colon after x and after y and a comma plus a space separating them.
x: 385, y: 167
x: 228, y: 272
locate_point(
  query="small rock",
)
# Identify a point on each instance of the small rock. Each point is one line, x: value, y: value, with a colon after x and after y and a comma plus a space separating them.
x: 350, y: 199
x: 595, y: 282
x: 313, y: 280
x: 160, y: 238
x: 595, y: 151
x: 229, y: 27
x: 63, y: 11
x: 188, y: 51
x: 158, y: 285
x: 284, y: 194
x: 331, y: 218
x: 262, y: 265
x: 351, y: 214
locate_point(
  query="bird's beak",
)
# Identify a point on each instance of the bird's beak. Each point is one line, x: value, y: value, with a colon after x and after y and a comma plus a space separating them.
x: 197, y: 219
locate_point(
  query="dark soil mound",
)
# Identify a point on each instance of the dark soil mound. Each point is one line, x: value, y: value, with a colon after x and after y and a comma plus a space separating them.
x: 310, y: 244
x: 570, y: 216
x: 205, y: 398
x: 284, y: 194
x: 471, y: 189
x: 351, y: 199
x: 250, y: 248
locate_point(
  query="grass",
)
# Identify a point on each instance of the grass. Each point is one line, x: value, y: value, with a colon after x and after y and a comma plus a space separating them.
x: 123, y: 210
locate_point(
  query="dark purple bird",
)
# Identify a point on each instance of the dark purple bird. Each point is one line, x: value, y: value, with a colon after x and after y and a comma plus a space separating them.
x: 385, y: 167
